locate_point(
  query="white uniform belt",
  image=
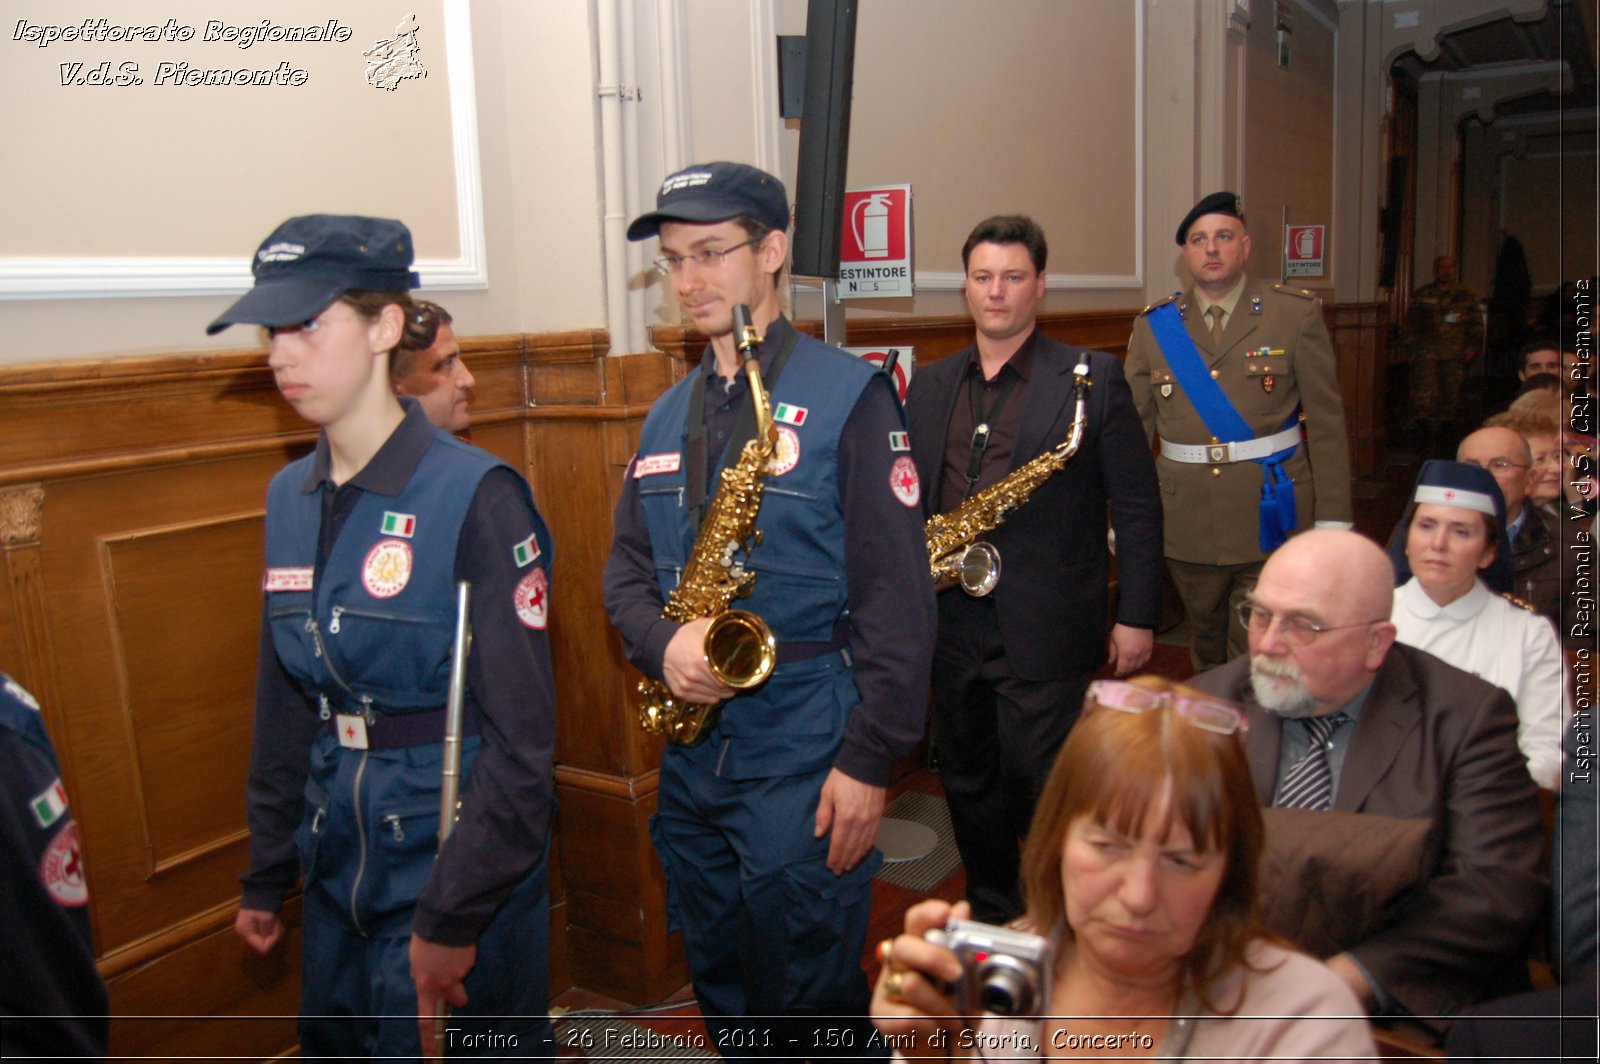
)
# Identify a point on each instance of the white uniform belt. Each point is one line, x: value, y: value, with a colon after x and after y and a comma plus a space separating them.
x: 1224, y: 453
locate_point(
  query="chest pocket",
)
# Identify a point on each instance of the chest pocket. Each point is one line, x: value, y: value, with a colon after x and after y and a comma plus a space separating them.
x: 662, y: 503
x: 1267, y: 380
x: 399, y: 657
x: 1165, y: 387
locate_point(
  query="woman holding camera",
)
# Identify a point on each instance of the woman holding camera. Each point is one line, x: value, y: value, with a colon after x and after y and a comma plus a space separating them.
x: 1140, y: 878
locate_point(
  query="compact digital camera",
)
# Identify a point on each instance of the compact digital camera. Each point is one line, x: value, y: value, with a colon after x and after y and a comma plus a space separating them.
x: 1003, y: 971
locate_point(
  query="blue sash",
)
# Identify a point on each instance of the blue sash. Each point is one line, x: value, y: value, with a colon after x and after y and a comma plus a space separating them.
x: 1225, y: 423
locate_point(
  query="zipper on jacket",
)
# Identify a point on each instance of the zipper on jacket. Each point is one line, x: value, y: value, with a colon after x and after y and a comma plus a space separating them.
x: 334, y: 624
x: 361, y: 840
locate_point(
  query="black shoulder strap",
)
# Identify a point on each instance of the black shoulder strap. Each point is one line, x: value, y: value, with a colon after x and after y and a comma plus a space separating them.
x: 744, y: 429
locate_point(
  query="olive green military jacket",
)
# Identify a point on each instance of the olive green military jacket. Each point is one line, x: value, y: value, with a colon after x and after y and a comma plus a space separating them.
x: 1275, y: 355
x: 1444, y: 321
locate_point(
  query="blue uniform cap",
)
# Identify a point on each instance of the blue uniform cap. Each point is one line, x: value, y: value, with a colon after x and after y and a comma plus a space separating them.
x: 1471, y: 488
x: 311, y: 260
x: 716, y: 192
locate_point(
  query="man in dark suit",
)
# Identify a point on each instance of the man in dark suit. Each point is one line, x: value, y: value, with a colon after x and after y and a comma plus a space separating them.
x: 1337, y: 708
x: 1011, y: 666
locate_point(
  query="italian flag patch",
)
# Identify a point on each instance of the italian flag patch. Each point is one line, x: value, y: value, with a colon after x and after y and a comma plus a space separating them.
x: 48, y: 807
x: 789, y: 415
x: 899, y: 441
x: 526, y: 551
x: 403, y: 525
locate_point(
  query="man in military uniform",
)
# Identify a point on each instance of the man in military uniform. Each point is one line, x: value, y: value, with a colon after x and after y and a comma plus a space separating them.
x: 1444, y: 329
x: 1240, y: 381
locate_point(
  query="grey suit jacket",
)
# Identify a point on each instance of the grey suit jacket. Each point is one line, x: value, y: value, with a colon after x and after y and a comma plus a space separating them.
x: 1436, y: 743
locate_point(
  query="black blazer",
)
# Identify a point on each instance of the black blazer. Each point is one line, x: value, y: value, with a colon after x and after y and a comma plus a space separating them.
x: 1436, y: 743
x: 1054, y: 564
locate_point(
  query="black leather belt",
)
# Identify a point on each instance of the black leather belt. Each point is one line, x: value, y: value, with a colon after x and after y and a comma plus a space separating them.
x: 396, y: 731
x: 790, y: 651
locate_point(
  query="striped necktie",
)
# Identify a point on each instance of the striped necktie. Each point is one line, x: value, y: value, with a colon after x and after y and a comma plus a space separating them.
x: 1308, y: 784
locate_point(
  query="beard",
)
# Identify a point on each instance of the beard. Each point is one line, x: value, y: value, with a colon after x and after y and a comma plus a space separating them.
x: 1280, y: 687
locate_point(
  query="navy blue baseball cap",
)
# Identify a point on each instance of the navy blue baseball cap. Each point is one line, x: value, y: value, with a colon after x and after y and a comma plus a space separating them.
x: 1469, y: 488
x: 1217, y: 203
x: 716, y: 192
x: 310, y: 261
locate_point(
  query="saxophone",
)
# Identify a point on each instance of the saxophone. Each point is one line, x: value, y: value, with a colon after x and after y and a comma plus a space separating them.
x: 739, y: 646
x: 953, y: 555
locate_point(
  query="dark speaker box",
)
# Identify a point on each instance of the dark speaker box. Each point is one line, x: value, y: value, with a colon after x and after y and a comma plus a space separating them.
x: 824, y: 137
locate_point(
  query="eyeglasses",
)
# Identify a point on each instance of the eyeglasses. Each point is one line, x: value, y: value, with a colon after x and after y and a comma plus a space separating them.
x: 1218, y: 717
x: 1297, y: 631
x: 423, y: 325
x: 708, y: 259
x: 1496, y: 465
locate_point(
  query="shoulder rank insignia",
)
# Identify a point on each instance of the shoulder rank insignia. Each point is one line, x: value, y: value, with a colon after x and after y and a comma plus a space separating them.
x: 1519, y: 603
x: 1161, y: 303
x: 1299, y: 293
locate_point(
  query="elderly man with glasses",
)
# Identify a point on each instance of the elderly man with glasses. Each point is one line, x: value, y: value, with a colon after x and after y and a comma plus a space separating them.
x: 1344, y: 719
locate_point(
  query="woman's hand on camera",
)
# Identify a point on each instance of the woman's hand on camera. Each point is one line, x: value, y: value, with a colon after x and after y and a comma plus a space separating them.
x: 912, y: 999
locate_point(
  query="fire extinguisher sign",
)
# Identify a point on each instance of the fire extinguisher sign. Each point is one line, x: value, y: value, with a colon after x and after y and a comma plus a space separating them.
x: 875, y: 253
x: 1303, y: 254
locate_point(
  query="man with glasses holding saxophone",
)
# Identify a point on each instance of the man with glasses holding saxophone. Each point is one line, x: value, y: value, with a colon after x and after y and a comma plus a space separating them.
x: 769, y: 805
x: 1345, y: 720
x: 1030, y: 623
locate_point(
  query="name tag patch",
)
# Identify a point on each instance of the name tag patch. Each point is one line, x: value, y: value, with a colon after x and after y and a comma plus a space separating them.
x: 297, y: 578
x: 650, y: 464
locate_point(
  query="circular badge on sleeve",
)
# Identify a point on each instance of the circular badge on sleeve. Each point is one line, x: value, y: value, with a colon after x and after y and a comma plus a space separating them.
x: 387, y: 569
x: 61, y: 868
x: 532, y: 599
x: 904, y: 483
x: 786, y: 455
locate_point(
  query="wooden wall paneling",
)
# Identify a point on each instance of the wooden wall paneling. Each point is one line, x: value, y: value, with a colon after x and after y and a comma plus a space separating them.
x: 74, y: 417
x: 243, y: 1005
x: 581, y: 431
x: 183, y: 662
x: 154, y: 583
x: 30, y: 652
x: 1359, y: 334
x: 935, y: 337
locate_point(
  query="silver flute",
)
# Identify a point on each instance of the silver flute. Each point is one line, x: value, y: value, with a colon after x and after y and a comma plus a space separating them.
x: 454, y: 714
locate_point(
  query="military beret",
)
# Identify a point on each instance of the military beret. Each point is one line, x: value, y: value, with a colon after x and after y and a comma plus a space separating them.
x: 1217, y: 203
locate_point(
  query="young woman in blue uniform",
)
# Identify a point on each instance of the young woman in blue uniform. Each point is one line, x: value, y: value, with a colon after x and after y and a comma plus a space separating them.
x: 366, y: 538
